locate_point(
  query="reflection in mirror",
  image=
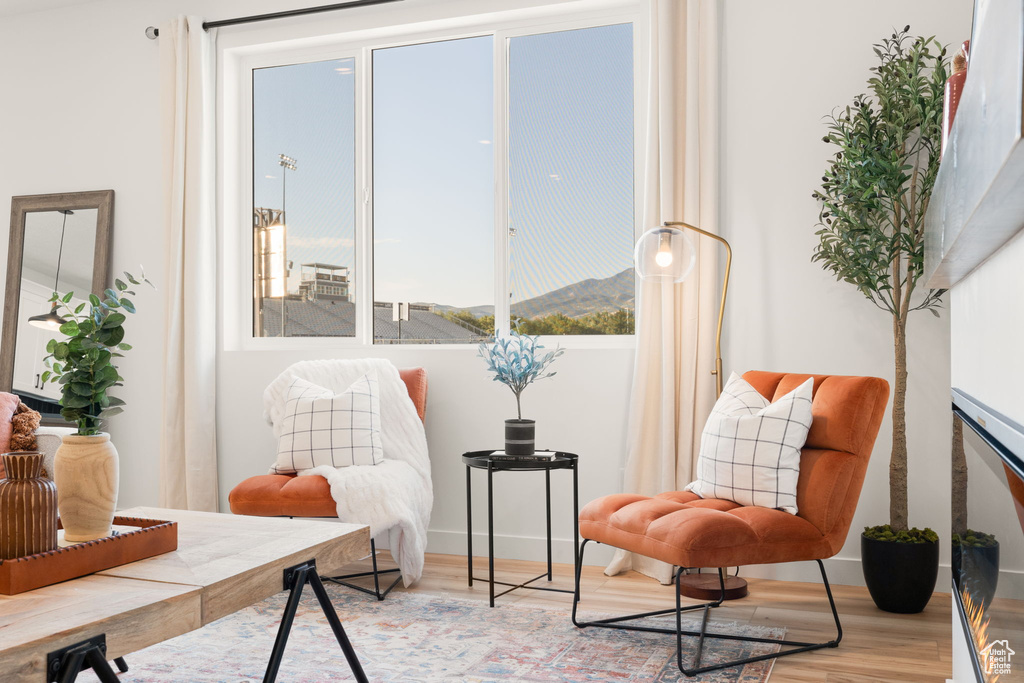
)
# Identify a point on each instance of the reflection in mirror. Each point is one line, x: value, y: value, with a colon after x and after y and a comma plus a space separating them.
x: 58, y: 243
x: 57, y: 257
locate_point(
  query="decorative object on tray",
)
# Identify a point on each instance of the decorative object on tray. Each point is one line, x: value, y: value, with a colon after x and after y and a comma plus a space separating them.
x: 516, y: 362
x: 888, y: 141
x: 954, y: 89
x: 86, y: 463
x: 149, y: 537
x: 28, y: 507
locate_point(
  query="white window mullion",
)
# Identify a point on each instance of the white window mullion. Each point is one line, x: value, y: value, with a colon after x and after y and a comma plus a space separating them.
x: 502, y: 286
x: 364, y: 196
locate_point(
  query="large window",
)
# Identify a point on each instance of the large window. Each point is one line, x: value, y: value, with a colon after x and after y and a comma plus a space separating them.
x: 394, y: 202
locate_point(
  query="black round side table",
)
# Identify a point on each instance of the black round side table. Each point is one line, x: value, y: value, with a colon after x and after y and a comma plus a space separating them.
x: 497, y: 462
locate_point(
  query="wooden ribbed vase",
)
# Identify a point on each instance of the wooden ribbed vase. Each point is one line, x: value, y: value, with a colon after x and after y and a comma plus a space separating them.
x: 85, y: 469
x: 28, y: 507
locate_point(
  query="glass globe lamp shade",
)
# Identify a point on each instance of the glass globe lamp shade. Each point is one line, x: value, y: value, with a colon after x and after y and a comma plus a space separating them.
x: 664, y: 254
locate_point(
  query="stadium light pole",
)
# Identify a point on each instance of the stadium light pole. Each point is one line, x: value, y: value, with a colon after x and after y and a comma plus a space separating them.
x: 286, y: 163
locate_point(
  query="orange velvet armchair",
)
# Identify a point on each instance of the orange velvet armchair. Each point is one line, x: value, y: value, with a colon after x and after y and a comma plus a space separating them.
x: 289, y: 495
x: 686, y: 531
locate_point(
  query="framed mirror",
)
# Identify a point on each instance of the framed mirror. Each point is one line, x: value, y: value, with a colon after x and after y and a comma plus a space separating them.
x: 58, y: 243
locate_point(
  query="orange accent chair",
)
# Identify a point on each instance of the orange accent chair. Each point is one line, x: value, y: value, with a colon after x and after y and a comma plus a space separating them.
x: 686, y: 531
x: 289, y: 495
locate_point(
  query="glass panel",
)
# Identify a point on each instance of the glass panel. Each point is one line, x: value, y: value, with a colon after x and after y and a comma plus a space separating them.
x: 304, y: 199
x: 988, y: 550
x: 433, y: 187
x: 571, y: 181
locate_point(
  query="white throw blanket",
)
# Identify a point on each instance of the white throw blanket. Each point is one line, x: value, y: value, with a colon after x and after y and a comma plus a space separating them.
x: 395, y: 496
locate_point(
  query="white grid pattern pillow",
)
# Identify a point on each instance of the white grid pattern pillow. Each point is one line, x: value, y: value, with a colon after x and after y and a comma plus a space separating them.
x: 750, y: 448
x: 323, y: 428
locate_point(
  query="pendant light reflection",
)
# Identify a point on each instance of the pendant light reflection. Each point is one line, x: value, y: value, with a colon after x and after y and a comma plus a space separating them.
x: 51, y: 321
x: 664, y: 254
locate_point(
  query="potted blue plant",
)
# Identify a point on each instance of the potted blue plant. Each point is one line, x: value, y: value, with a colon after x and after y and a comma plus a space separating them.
x: 517, y: 361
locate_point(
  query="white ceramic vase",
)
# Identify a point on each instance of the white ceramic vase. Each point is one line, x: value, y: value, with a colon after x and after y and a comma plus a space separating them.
x: 85, y: 471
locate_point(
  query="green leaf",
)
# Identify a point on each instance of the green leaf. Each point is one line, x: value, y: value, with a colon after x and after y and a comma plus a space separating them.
x: 74, y: 401
x: 82, y: 389
x: 70, y: 328
x: 120, y: 284
x: 110, y: 412
x: 124, y: 347
x: 45, y: 376
x: 79, y: 308
x: 51, y: 345
x: 94, y: 300
x: 128, y: 305
x: 67, y: 297
x: 114, y: 320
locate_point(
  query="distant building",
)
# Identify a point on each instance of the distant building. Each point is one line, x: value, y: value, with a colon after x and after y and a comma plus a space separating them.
x: 324, y: 281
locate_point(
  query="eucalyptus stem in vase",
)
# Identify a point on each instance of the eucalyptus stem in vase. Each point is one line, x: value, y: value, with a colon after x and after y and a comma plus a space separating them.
x: 517, y: 361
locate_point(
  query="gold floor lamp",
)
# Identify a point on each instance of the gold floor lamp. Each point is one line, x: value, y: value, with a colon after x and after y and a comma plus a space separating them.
x: 667, y: 254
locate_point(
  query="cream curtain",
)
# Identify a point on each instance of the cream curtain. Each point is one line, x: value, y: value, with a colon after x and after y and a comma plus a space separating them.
x: 188, y: 444
x: 673, y: 388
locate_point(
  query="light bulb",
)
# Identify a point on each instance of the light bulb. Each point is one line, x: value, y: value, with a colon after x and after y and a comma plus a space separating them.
x: 664, y: 256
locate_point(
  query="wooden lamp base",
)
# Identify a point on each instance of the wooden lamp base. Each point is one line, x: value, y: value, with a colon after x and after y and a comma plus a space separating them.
x: 707, y: 588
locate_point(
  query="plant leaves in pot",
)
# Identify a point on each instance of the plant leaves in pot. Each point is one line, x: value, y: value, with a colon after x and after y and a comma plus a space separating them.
x: 84, y: 364
x: 874, y: 196
x: 517, y: 360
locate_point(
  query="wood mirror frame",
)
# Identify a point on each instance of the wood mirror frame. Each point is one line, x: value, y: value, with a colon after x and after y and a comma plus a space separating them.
x: 100, y: 200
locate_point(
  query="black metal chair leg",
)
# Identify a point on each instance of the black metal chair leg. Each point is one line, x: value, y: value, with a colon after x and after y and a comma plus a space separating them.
x: 341, y: 580
x: 121, y: 665
x: 703, y: 634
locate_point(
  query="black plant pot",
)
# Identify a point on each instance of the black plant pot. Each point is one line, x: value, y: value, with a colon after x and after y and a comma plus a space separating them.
x: 519, y: 437
x: 900, y: 576
x: 977, y: 571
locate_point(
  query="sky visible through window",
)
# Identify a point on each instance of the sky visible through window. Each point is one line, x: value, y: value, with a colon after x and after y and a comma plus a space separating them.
x: 570, y: 164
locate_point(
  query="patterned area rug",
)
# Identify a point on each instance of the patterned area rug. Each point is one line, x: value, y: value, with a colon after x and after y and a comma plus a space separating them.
x: 414, y: 637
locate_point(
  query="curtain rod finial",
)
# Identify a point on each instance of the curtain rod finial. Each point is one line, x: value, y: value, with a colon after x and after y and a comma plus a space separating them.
x: 152, y: 32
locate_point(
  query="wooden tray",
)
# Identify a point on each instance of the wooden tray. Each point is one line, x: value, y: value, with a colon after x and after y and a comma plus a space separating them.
x: 151, y: 537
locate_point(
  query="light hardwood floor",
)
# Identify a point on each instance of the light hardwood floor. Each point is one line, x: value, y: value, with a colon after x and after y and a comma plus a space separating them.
x: 877, y: 646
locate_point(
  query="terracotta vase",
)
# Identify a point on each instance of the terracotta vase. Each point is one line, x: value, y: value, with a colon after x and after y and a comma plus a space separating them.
x: 28, y: 507
x: 954, y: 89
x: 85, y: 469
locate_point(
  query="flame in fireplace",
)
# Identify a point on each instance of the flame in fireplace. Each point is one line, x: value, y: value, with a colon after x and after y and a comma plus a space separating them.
x: 979, y: 627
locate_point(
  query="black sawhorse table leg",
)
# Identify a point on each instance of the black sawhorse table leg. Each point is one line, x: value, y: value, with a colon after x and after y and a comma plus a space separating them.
x: 63, y: 666
x: 295, y: 579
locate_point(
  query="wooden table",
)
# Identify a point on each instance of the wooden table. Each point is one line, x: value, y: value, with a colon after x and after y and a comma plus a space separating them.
x: 223, y: 564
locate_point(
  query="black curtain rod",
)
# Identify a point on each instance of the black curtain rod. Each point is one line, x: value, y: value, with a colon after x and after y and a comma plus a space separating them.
x: 153, y: 32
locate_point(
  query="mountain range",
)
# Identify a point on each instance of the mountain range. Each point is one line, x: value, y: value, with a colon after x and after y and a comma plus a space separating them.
x: 576, y: 300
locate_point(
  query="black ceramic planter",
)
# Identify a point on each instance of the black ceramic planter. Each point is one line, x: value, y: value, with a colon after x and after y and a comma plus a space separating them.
x: 519, y: 437
x: 900, y: 576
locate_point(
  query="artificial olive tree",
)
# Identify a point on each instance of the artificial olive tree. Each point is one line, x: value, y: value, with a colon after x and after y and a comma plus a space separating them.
x: 874, y: 196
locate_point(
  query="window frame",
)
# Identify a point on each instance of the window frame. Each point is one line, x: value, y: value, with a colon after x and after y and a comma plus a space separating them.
x: 236, y: 178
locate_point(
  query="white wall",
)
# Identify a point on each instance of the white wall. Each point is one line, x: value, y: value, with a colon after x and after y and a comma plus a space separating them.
x: 783, y: 71
x: 83, y: 114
